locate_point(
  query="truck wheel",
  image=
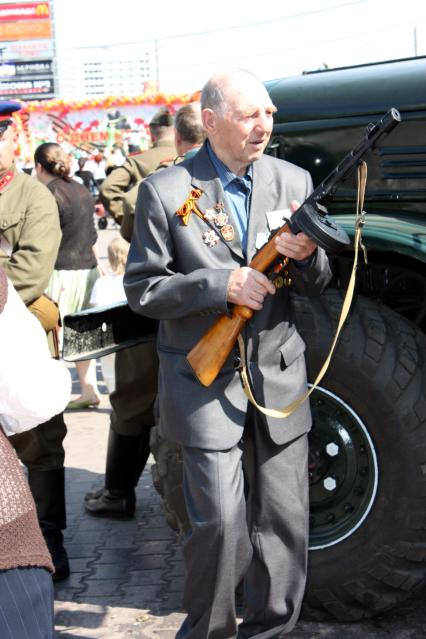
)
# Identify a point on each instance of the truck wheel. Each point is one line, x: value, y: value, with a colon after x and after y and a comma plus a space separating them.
x: 367, y: 460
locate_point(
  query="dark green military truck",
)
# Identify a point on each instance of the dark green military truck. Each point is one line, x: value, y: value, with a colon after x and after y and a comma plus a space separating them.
x: 368, y: 444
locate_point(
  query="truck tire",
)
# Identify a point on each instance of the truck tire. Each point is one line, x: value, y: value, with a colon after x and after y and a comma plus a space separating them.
x: 367, y: 460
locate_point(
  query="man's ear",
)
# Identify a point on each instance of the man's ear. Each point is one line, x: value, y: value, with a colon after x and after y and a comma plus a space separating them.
x: 209, y: 118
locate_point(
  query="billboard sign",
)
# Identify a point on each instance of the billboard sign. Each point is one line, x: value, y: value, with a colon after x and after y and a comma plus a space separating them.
x: 26, y: 21
x: 29, y: 89
x: 27, y: 67
x: 26, y: 49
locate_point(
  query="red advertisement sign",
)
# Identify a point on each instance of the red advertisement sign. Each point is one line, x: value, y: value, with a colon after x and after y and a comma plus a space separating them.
x: 15, y: 12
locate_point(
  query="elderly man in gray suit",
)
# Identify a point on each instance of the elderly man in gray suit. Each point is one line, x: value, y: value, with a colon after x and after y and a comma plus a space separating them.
x: 245, y: 475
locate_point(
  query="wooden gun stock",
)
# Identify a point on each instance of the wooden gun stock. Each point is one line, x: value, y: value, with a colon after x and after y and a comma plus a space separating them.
x: 209, y: 355
x: 211, y: 352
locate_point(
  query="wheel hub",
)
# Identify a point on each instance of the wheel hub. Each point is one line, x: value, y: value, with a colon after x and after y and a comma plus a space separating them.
x: 343, y: 470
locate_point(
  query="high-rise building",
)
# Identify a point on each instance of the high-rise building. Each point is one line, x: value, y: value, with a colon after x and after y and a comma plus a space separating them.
x: 116, y: 77
x: 103, y: 71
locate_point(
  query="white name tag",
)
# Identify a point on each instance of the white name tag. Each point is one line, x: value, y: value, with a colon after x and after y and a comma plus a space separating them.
x: 276, y: 218
x: 261, y: 240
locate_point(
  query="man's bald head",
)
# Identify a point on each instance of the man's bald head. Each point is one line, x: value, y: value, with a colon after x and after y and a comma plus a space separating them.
x: 237, y: 115
x: 225, y: 86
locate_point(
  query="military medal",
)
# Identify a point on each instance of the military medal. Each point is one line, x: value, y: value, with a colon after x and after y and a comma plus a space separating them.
x: 210, y: 238
x: 221, y: 219
x: 219, y: 206
x: 227, y: 232
x: 209, y: 215
x: 278, y: 281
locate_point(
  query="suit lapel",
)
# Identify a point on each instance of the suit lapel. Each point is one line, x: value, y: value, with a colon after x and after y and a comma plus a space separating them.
x: 263, y: 199
x: 212, y: 193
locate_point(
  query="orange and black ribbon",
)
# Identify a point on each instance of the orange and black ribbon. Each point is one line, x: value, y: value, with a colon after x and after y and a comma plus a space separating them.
x: 190, y: 206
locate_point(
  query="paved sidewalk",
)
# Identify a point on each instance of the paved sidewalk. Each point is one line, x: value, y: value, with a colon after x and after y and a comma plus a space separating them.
x: 126, y: 577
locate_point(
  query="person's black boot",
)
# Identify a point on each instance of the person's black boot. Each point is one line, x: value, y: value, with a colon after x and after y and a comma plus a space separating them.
x: 48, y: 490
x: 126, y: 458
x: 116, y: 504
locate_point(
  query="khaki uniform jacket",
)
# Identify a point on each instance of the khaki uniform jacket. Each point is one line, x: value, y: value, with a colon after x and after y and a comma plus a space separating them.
x: 135, y: 168
x: 30, y: 234
x: 129, y: 202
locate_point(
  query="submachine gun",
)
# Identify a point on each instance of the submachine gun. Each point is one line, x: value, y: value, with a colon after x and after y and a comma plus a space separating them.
x: 209, y: 355
x: 99, y: 331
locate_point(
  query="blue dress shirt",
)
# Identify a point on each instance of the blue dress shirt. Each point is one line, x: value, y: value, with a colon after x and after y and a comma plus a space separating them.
x: 238, y: 191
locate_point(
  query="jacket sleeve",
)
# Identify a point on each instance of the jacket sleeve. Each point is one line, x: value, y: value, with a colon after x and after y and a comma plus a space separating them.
x: 312, y: 278
x: 116, y: 184
x: 33, y: 259
x: 129, y: 205
x: 153, y: 286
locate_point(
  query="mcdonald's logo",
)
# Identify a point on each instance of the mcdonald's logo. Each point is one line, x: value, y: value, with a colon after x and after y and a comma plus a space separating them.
x: 42, y: 9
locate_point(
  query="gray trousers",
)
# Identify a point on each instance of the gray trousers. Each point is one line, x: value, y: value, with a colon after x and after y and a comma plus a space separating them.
x: 248, y: 508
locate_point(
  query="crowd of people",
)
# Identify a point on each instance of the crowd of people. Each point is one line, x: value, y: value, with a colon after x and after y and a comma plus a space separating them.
x: 191, y: 210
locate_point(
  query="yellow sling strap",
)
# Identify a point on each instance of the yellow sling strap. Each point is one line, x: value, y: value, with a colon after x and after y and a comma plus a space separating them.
x: 288, y: 410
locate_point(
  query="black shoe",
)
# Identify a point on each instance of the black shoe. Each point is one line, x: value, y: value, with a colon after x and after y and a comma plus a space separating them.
x: 116, y: 504
x: 59, y: 557
x: 93, y: 494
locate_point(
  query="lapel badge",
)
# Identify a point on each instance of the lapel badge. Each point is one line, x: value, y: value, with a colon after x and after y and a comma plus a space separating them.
x: 210, y: 238
x: 221, y: 219
x: 228, y: 232
x: 219, y: 206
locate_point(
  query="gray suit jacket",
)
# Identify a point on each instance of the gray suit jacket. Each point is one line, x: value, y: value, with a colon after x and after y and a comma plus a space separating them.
x: 174, y: 276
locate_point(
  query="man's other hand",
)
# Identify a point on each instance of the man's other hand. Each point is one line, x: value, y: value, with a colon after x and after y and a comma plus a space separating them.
x: 248, y: 287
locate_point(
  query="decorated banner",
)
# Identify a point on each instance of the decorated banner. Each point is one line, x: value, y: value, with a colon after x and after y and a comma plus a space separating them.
x: 88, y: 126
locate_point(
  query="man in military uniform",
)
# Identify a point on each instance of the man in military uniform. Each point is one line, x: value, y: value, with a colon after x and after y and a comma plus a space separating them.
x: 136, y: 368
x: 188, y: 136
x: 138, y: 165
x: 29, y: 240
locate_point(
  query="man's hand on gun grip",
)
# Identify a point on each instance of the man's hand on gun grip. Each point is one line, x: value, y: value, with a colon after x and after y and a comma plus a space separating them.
x: 248, y: 287
x: 298, y: 247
